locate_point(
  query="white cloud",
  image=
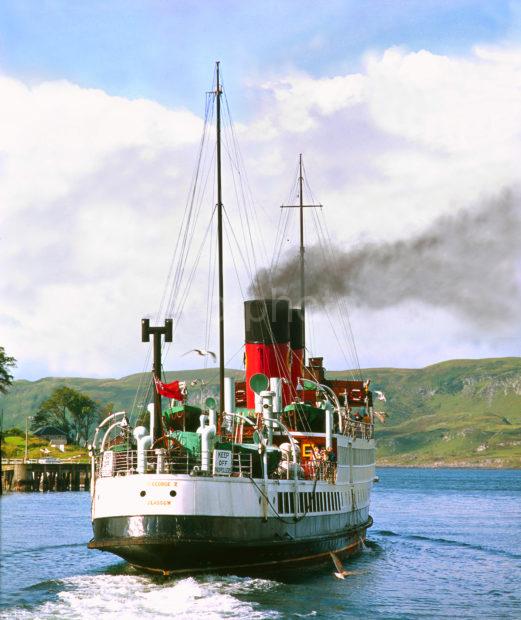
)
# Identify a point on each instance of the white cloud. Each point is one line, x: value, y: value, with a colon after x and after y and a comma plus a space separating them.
x: 298, y: 101
x: 452, y: 104
x: 92, y: 189
x: 55, y: 133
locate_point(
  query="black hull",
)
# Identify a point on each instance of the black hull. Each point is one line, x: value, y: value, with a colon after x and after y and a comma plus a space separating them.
x: 163, y: 545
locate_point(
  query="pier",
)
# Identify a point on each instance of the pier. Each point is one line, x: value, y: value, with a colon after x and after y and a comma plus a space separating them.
x: 18, y: 475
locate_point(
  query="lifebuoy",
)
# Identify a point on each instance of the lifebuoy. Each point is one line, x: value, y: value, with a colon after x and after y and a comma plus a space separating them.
x: 355, y: 394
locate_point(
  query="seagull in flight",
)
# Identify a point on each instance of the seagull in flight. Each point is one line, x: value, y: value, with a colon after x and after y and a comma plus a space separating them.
x: 202, y: 353
x: 380, y: 395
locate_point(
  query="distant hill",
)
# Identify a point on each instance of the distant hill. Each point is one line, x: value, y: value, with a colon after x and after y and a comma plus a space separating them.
x: 459, y: 412
x: 24, y: 397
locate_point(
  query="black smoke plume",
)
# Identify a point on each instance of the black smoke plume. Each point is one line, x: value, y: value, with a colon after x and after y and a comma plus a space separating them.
x: 468, y: 263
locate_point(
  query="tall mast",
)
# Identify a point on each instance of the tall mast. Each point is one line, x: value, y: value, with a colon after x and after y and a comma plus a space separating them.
x: 220, y: 245
x: 301, y: 206
x: 302, y: 273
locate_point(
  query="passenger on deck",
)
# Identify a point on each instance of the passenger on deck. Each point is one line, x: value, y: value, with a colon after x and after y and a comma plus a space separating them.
x: 330, y: 465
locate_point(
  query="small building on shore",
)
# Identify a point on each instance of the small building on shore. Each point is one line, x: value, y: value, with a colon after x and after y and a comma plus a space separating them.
x: 55, y: 437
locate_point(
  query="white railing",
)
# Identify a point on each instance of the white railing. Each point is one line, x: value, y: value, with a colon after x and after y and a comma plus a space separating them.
x: 360, y: 429
x: 160, y: 462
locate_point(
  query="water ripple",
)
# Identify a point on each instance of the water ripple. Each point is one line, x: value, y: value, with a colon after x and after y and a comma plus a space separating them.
x: 450, y: 543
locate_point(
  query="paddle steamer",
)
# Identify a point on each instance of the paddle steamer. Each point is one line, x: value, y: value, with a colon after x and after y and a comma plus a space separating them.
x: 274, y: 472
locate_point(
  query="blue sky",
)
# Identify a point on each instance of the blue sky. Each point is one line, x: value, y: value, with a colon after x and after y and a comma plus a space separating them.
x: 164, y: 49
x: 406, y: 111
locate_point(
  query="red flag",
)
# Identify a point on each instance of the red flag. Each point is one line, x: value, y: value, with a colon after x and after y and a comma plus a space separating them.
x: 170, y: 390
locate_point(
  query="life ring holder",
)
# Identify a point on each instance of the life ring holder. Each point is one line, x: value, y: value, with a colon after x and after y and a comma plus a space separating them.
x: 165, y: 438
x: 356, y: 395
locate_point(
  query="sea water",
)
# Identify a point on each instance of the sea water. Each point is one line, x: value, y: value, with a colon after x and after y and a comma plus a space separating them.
x: 446, y: 543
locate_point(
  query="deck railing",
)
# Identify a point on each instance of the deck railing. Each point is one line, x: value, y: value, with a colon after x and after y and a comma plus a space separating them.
x: 127, y: 463
x: 320, y: 470
x: 358, y: 429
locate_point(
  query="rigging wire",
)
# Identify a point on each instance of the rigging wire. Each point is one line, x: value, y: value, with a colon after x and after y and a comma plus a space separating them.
x: 341, y: 304
x: 245, y: 185
x: 178, y: 261
x: 212, y: 266
x: 326, y: 245
x: 181, y: 275
x: 181, y: 250
x: 227, y: 232
x: 243, y: 189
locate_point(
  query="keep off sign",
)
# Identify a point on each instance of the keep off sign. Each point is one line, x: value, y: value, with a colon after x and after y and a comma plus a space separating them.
x: 222, y: 462
x: 107, y: 464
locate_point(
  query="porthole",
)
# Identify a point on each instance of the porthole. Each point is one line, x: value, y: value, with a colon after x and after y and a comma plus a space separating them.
x: 173, y: 493
x: 143, y: 493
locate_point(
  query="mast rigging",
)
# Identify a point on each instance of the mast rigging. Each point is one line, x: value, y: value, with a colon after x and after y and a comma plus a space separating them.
x: 301, y: 206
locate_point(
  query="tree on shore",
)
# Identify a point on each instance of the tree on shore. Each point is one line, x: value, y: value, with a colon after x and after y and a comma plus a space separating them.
x: 6, y: 363
x: 106, y: 410
x: 6, y: 379
x: 69, y: 411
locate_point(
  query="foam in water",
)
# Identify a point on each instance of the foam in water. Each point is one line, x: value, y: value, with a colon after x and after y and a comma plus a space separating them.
x: 133, y: 598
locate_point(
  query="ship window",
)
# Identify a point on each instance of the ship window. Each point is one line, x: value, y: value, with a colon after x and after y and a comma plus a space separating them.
x: 301, y: 502
x: 280, y: 504
x: 320, y: 502
x: 291, y: 502
x: 285, y: 507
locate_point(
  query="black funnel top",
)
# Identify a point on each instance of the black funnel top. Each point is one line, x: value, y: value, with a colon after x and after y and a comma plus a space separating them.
x: 296, y: 329
x: 266, y: 321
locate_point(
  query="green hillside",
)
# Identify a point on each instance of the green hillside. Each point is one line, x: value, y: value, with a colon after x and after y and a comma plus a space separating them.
x: 460, y: 412
x: 24, y: 397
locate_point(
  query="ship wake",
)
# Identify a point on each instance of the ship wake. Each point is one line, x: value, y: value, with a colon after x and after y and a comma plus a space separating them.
x: 134, y: 597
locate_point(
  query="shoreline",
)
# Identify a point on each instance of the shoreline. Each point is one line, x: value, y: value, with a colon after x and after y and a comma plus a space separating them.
x: 437, y: 465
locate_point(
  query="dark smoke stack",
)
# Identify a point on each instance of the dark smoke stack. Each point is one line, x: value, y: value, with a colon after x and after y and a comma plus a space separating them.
x: 296, y: 335
x: 267, y: 342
